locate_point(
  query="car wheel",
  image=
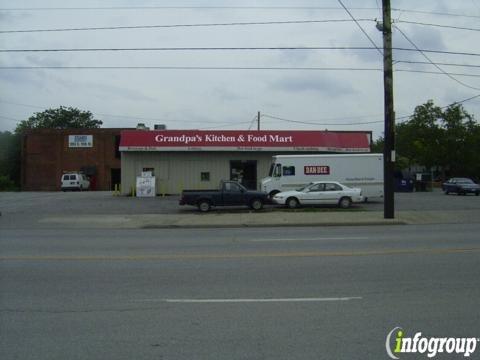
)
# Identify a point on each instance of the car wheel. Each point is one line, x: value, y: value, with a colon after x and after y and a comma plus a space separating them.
x: 345, y: 203
x: 256, y: 204
x: 292, y: 203
x: 477, y: 193
x: 204, y: 205
x: 447, y: 192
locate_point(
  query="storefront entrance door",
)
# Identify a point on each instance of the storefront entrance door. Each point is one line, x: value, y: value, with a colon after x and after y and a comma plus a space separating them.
x: 245, y: 172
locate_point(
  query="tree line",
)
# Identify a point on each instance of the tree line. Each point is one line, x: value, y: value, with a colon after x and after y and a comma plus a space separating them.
x: 445, y: 141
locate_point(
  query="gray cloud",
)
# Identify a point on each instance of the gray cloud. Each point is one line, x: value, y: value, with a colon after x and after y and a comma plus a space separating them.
x: 224, y: 93
x: 33, y: 60
x: 294, y: 57
x: 106, y: 91
x: 325, y: 85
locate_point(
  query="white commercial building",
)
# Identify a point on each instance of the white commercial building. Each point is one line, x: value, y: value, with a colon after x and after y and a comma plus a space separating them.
x: 195, y: 159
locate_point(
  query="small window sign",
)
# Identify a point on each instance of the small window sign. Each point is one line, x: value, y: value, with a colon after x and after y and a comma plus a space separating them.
x: 205, y: 176
x: 80, y: 141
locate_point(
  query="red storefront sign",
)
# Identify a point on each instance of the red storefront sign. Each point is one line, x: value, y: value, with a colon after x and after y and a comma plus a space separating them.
x: 284, y: 140
x: 316, y: 170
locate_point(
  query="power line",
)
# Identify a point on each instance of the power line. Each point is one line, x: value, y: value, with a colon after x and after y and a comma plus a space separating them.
x: 184, y: 8
x: 435, y: 13
x: 438, y: 73
x: 437, y: 66
x: 462, y: 101
x: 438, y: 63
x: 110, y: 8
x: 112, y: 115
x: 360, y: 27
x: 263, y: 115
x: 193, y: 49
x: 360, y: 123
x: 226, y: 68
x: 183, y: 25
x: 9, y: 118
x: 225, y: 125
x: 317, y: 123
x: 187, y: 68
x: 259, y: 48
x: 253, y: 122
x: 438, y: 25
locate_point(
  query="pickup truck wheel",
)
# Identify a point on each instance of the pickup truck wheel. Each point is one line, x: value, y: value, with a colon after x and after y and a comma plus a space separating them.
x: 292, y: 203
x: 345, y: 202
x: 256, y: 204
x: 204, y: 206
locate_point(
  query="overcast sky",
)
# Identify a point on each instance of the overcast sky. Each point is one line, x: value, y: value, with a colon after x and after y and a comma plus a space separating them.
x: 230, y: 99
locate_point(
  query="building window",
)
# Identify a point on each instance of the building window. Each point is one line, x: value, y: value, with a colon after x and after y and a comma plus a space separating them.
x: 288, y: 170
x: 205, y: 176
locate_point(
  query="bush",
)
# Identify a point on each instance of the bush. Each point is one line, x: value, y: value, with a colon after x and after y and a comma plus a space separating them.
x: 6, y: 184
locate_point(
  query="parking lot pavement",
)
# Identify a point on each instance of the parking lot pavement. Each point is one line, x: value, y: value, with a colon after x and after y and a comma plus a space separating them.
x: 103, y: 202
x: 82, y: 209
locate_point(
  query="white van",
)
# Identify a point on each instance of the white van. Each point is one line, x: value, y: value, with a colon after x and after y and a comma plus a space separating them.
x: 290, y: 172
x: 74, y: 181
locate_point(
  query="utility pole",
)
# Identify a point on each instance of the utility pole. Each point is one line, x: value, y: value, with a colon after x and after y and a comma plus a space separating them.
x: 258, y: 121
x: 389, y: 148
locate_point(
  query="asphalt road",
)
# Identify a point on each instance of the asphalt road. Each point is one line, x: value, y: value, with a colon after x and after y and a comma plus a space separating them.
x: 290, y: 293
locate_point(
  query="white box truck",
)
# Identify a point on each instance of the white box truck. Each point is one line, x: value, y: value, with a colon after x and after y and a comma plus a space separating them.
x: 289, y: 172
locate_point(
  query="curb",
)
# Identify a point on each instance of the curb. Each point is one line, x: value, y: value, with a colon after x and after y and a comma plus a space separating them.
x: 227, y: 226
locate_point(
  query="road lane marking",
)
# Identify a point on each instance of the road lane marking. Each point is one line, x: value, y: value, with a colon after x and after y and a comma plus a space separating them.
x: 260, y: 300
x: 226, y: 256
x: 315, y: 239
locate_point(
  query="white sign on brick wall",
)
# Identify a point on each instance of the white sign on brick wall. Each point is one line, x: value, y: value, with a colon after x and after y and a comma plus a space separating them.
x: 80, y: 141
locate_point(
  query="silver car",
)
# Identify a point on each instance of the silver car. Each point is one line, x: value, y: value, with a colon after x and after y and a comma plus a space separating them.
x: 319, y: 193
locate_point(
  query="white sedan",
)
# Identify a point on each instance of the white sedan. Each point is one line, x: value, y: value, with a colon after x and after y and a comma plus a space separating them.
x: 319, y: 193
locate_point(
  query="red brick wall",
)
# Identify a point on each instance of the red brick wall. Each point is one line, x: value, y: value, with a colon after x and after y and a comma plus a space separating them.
x: 46, y: 156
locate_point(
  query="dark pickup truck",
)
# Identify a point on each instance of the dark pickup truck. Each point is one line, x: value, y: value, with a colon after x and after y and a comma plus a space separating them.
x: 231, y: 193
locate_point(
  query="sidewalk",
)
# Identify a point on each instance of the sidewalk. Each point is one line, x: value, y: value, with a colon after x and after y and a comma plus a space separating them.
x: 252, y: 219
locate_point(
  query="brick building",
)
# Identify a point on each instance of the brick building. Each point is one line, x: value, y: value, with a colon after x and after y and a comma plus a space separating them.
x: 48, y: 153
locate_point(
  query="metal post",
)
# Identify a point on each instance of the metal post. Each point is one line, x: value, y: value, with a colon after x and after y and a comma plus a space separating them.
x: 258, y: 121
x: 389, y: 149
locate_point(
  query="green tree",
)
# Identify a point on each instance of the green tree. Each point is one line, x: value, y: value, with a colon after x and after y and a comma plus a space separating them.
x: 59, y: 118
x: 9, y: 160
x: 417, y: 139
x: 446, y: 140
x: 459, y: 142
x: 377, y: 145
